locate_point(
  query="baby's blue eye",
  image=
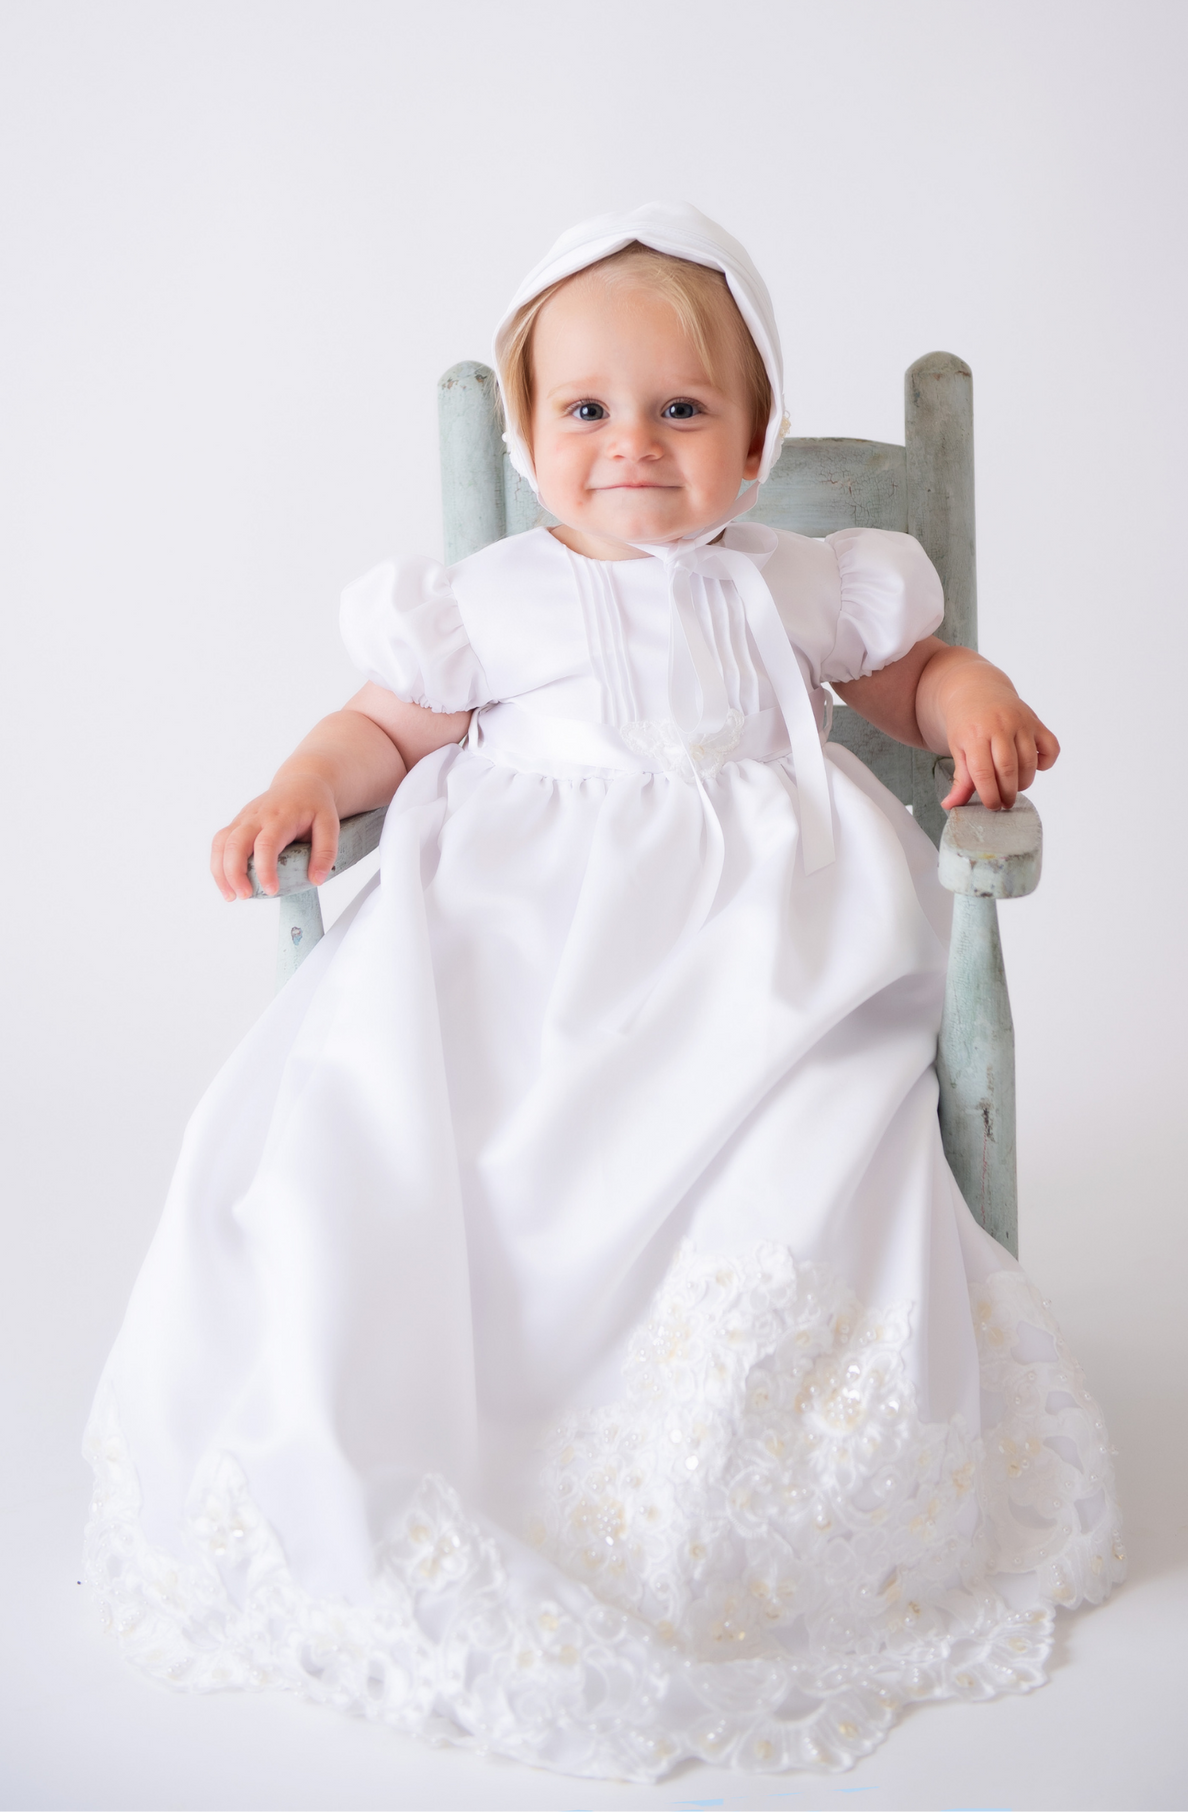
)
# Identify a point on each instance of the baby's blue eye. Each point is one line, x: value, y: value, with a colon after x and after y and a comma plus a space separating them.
x: 590, y: 412
x: 680, y: 411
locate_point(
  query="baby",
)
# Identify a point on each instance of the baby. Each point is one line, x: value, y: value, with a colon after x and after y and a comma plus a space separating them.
x: 565, y: 1334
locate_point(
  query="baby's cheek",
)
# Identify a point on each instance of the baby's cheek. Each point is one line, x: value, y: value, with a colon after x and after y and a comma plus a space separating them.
x: 560, y: 478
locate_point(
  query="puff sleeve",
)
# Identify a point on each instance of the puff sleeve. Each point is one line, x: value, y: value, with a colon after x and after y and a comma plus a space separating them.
x: 403, y: 628
x: 890, y: 599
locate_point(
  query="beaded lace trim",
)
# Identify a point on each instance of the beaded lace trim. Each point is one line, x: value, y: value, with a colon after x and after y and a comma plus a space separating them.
x: 754, y: 1558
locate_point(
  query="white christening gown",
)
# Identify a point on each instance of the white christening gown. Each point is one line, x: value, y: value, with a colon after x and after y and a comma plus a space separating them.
x: 564, y: 1335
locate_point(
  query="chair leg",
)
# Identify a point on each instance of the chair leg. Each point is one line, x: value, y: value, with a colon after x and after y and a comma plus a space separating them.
x: 300, y: 929
x: 976, y: 1066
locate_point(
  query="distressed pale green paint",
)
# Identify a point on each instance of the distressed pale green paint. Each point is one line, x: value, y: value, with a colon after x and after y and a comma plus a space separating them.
x: 992, y: 855
x: 300, y: 928
x: 984, y: 857
x: 890, y: 760
x: 938, y: 433
x: 472, y: 458
x: 925, y: 487
x: 975, y: 1064
x: 820, y: 486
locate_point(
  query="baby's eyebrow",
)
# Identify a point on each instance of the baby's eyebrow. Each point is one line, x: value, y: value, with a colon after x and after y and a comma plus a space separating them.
x: 575, y: 388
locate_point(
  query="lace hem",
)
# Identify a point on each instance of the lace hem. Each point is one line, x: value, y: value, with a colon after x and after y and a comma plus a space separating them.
x: 757, y: 1555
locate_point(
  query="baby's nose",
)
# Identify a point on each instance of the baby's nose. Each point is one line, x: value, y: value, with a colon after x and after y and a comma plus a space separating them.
x: 635, y: 438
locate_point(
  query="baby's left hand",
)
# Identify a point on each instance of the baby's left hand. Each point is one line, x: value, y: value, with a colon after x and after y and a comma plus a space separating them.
x: 997, y: 742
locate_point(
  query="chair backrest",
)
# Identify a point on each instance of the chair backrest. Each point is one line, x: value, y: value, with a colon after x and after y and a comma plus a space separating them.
x: 925, y: 488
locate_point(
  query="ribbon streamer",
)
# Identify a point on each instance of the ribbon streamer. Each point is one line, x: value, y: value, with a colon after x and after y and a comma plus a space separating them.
x: 697, y: 691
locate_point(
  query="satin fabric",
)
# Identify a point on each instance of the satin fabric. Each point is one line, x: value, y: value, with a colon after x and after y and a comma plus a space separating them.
x: 564, y: 1334
x: 431, y: 1194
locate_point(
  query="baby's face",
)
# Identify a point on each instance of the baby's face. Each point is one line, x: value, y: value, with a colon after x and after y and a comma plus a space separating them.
x: 630, y: 438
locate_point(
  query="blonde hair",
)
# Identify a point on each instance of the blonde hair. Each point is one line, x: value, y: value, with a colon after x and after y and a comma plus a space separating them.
x: 698, y: 296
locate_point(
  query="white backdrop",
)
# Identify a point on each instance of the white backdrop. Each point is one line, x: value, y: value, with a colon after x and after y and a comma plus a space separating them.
x: 241, y: 239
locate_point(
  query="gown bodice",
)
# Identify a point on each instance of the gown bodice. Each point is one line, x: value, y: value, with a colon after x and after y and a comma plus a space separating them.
x: 525, y: 619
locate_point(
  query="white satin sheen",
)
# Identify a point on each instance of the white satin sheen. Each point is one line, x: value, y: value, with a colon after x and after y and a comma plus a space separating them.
x: 564, y: 1335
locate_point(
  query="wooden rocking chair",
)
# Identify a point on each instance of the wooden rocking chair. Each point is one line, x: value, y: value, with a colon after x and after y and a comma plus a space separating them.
x: 925, y: 488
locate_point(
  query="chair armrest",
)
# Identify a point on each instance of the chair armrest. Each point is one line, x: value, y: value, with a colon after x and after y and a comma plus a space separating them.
x: 357, y: 837
x: 990, y: 855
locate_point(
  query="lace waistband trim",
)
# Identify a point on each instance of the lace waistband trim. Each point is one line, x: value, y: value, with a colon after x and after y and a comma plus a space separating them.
x: 514, y: 737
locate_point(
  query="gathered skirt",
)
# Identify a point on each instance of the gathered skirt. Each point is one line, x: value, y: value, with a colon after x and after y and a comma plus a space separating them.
x: 565, y: 1337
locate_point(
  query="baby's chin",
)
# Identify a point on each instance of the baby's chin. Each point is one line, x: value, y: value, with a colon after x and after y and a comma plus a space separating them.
x: 631, y: 517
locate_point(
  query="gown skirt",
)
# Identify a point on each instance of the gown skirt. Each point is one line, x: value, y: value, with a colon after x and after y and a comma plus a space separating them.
x: 565, y: 1337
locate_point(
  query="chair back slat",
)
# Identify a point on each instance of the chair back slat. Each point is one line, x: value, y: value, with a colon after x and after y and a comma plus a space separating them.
x: 819, y: 486
x: 938, y: 421
x: 471, y: 444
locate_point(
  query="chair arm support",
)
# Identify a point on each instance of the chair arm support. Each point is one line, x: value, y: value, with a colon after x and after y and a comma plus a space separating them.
x: 990, y: 855
x: 357, y: 837
x: 984, y: 857
x: 300, y: 911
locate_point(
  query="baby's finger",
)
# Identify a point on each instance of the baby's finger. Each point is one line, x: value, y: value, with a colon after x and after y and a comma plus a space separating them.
x: 1047, y: 747
x: 1006, y: 769
x: 961, y: 791
x: 323, y: 846
x: 240, y: 846
x: 981, y: 768
x: 217, y: 867
x: 272, y: 837
x: 982, y: 772
x: 236, y: 847
x: 1025, y: 750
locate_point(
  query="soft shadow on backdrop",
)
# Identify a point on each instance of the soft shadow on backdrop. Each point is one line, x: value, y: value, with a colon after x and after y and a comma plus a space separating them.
x: 240, y: 243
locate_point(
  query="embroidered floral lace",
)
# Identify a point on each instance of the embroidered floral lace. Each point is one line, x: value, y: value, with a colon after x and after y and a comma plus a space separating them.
x: 755, y: 1557
x: 661, y: 742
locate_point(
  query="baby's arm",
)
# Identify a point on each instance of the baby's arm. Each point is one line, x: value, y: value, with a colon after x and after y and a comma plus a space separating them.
x: 351, y: 762
x: 953, y: 702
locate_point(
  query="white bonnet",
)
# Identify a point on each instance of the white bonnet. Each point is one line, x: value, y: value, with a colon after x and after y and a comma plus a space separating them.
x: 680, y: 230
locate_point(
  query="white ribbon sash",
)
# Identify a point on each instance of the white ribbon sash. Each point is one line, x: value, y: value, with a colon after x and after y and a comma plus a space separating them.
x: 568, y: 749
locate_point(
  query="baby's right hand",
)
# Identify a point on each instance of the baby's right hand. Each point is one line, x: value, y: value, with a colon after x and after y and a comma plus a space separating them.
x: 295, y: 805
